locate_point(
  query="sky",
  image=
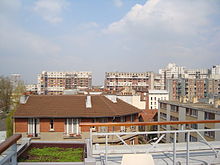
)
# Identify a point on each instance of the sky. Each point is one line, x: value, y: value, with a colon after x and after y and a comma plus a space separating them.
x: 107, y: 36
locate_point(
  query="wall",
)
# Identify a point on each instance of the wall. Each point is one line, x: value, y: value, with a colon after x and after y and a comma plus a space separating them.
x: 20, y: 125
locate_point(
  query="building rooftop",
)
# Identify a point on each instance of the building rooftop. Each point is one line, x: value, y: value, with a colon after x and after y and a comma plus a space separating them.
x: 198, y: 105
x: 73, y: 106
x: 158, y: 91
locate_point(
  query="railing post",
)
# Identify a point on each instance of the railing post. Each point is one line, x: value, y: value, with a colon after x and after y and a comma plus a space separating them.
x: 174, y: 149
x: 13, y: 149
x: 187, y: 148
x: 106, y: 149
x: 90, y: 131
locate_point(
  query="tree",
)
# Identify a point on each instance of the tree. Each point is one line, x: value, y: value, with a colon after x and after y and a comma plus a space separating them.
x: 5, y: 94
x: 9, y: 100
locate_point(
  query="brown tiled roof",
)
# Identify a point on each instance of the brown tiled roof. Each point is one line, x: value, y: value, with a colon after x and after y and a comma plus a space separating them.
x: 148, y: 115
x: 73, y: 106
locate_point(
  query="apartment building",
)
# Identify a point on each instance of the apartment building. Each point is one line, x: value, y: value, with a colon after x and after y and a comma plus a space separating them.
x: 191, y: 88
x: 215, y: 72
x: 137, y: 81
x: 54, y: 83
x: 172, y: 71
x: 153, y: 97
x: 179, y: 111
x: 31, y: 88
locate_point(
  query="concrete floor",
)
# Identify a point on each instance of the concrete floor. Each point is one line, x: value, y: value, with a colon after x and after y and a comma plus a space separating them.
x: 200, y: 153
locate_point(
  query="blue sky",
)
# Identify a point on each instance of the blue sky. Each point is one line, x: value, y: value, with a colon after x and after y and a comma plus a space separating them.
x: 110, y: 35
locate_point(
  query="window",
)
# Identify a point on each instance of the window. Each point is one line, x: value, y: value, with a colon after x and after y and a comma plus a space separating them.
x: 103, y: 129
x: 174, y: 108
x: 132, y: 120
x: 194, y: 113
x: 173, y: 118
x: 163, y: 115
x: 123, y: 119
x: 33, y: 127
x: 209, y: 116
x: 163, y: 105
x: 194, y: 126
x: 192, y: 138
x: 72, y: 126
x: 210, y: 134
x: 51, y: 125
x: 191, y: 112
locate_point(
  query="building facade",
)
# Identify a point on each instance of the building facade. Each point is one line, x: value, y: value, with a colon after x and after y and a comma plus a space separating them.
x: 137, y: 81
x: 31, y: 88
x: 177, y: 111
x: 58, y: 118
x: 154, y: 96
x: 172, y: 71
x: 192, y: 88
x: 54, y: 83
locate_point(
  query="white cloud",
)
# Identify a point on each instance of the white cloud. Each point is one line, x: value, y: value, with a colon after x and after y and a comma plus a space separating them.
x: 169, y: 30
x: 50, y: 10
x: 180, y: 16
x: 118, y: 3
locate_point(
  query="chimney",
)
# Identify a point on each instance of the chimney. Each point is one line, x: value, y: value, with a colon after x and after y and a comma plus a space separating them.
x: 88, y: 102
x: 23, y: 99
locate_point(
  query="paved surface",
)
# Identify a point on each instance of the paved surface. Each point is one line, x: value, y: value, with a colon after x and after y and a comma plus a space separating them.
x: 200, y: 153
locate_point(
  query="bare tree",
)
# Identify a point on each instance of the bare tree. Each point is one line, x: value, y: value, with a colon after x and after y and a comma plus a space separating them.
x: 5, y: 94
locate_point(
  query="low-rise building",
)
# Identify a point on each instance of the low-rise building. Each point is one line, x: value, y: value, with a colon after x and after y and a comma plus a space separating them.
x: 59, y: 117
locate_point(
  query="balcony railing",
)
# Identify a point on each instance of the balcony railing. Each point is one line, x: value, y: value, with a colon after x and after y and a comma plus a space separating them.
x: 8, y: 150
x: 160, y: 136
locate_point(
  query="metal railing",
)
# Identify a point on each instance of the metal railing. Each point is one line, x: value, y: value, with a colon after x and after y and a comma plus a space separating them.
x: 8, y: 150
x: 161, y: 135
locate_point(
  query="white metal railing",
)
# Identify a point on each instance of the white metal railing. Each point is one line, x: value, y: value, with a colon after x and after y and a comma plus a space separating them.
x: 161, y: 135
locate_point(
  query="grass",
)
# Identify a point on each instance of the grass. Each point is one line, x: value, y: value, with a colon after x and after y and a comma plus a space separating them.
x: 53, y: 154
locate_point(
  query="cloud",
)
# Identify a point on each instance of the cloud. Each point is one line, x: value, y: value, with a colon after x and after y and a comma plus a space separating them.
x: 180, y: 16
x: 50, y: 10
x: 173, y: 30
x: 118, y: 3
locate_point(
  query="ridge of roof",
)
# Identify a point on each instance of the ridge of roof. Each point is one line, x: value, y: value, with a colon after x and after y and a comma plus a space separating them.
x: 73, y: 106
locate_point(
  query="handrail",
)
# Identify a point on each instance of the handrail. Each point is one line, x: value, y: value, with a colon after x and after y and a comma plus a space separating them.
x: 148, y: 123
x: 9, y: 142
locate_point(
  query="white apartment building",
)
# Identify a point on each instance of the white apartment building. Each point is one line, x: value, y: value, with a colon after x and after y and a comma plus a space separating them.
x: 31, y: 88
x: 137, y: 81
x: 54, y: 83
x: 154, y: 96
x: 215, y: 72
